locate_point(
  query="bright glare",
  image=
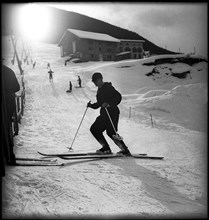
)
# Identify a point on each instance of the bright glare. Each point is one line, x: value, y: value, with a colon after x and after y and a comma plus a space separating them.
x: 34, y: 22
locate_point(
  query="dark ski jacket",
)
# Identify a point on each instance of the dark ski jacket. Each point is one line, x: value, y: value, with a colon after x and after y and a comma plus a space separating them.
x: 9, y: 80
x: 10, y: 86
x: 107, y: 93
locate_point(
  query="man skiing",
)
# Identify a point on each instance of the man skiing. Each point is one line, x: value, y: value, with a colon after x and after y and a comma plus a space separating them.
x: 50, y: 75
x: 70, y: 86
x: 48, y: 66
x: 34, y: 64
x: 79, y: 81
x: 107, y: 100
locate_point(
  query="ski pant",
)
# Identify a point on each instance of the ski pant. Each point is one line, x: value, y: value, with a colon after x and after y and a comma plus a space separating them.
x: 102, y: 123
x: 8, y: 107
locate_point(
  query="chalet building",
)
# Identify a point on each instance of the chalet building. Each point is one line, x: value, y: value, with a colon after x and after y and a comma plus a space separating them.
x: 91, y: 46
x: 130, y: 49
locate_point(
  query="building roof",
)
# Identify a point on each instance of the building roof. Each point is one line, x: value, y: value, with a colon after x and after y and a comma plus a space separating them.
x: 90, y: 35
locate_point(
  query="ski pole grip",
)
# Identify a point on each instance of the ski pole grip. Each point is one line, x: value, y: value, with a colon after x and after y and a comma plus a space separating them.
x: 88, y: 104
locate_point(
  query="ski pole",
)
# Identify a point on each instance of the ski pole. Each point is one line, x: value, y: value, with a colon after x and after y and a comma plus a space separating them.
x: 70, y: 148
x: 117, y: 136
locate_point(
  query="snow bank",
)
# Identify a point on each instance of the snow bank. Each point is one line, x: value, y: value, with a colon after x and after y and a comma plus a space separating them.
x: 187, y: 103
x: 178, y: 100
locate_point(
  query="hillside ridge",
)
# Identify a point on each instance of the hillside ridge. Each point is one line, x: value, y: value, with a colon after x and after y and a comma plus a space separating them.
x: 63, y: 20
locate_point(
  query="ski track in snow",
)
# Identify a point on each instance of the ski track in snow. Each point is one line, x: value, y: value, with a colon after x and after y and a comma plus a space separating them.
x: 175, y: 186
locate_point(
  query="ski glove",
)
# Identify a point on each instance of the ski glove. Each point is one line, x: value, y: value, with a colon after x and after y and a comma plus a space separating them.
x: 105, y: 105
x: 89, y: 104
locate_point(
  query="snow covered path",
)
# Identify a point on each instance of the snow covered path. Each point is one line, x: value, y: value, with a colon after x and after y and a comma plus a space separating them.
x: 175, y: 186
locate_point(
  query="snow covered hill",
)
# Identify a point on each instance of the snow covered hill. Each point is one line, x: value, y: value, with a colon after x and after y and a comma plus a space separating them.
x: 173, y: 187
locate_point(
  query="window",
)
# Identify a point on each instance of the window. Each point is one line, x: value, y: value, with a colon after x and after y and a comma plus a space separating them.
x: 108, y: 44
x: 90, y: 42
x: 91, y: 48
x: 139, y: 49
x: 134, y: 49
x: 100, y: 49
x: 92, y: 55
x: 120, y: 49
x: 109, y: 50
x: 127, y: 49
x: 109, y: 57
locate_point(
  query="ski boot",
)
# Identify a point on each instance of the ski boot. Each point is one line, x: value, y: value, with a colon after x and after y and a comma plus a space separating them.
x: 104, y: 150
x: 124, y: 149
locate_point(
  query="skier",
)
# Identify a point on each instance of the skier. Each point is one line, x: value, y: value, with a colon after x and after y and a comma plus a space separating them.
x: 70, y: 87
x: 48, y: 65
x: 107, y: 98
x: 34, y: 64
x: 50, y: 75
x: 79, y: 81
x: 66, y: 62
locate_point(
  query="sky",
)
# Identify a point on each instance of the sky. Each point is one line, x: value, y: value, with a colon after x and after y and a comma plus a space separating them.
x: 174, y: 26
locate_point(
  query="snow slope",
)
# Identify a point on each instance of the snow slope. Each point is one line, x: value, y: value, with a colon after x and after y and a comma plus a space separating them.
x: 126, y: 187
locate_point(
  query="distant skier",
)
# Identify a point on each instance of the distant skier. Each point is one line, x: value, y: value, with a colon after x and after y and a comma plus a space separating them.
x: 79, y: 81
x: 66, y: 62
x: 50, y: 75
x: 107, y: 100
x: 70, y: 87
x: 34, y: 65
x: 48, y: 66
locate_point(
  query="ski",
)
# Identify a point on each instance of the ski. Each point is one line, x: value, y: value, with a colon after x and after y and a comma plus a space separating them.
x: 38, y: 164
x: 147, y: 157
x: 76, y: 154
x: 35, y: 159
x: 108, y: 156
x: 90, y: 156
x: 62, y: 154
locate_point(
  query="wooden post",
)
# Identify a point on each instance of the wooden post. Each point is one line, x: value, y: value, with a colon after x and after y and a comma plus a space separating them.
x: 129, y: 112
x: 16, y: 55
x: 15, y: 122
x: 151, y: 119
x: 16, y: 105
x: 18, y: 109
x: 14, y: 46
x: 22, y: 104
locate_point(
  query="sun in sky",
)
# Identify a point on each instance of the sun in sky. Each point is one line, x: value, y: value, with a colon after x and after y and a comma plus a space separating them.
x: 33, y: 22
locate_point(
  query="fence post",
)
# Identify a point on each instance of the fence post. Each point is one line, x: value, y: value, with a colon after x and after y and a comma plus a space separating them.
x: 18, y: 103
x: 15, y: 121
x: 22, y: 104
x: 18, y: 109
x: 129, y: 112
x: 151, y: 120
